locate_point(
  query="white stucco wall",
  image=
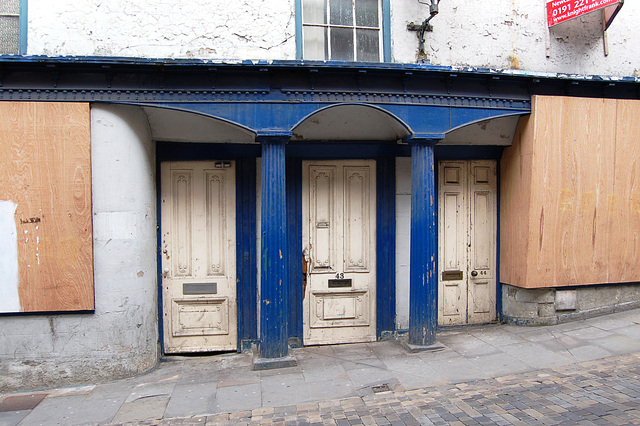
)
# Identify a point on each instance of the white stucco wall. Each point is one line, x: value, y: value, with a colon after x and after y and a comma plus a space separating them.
x: 403, y: 244
x: 499, y: 34
x: 513, y: 34
x: 163, y: 28
x: 120, y: 337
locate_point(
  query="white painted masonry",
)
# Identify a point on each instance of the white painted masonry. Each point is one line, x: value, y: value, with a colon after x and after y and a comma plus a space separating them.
x: 513, y: 34
x: 403, y: 237
x: 163, y: 28
x: 9, y: 297
x: 120, y: 338
x: 502, y: 34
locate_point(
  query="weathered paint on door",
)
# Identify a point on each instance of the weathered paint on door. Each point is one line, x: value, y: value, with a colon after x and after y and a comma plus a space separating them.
x: 339, y: 216
x: 198, y: 256
x: 467, y: 242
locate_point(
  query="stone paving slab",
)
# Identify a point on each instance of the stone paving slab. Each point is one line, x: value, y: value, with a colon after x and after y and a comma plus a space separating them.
x: 594, y: 392
x: 489, y: 374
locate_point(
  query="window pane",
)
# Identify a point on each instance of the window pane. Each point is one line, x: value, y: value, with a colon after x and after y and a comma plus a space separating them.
x: 368, y: 45
x: 341, y: 44
x: 9, y: 34
x: 341, y: 12
x: 9, y: 6
x: 315, y: 43
x: 314, y: 11
x: 367, y: 13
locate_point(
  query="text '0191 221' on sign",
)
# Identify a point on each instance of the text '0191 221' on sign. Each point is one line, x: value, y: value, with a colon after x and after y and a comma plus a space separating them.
x: 559, y: 11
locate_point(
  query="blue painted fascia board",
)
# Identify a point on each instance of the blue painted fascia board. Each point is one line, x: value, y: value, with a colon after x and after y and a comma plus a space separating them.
x: 155, y: 63
x: 283, y: 117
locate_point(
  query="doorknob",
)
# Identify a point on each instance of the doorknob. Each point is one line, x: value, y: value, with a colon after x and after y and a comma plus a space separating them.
x: 474, y: 273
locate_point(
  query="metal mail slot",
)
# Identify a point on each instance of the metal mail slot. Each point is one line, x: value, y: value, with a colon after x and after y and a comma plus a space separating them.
x: 451, y: 275
x: 340, y: 283
x: 200, y: 288
x: 322, y: 225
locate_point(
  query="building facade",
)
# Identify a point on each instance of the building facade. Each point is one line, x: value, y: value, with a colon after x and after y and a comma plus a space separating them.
x: 208, y: 176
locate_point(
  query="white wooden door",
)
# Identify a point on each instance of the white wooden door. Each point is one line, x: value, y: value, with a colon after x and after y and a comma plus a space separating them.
x: 339, y: 215
x: 198, y: 256
x: 467, y: 242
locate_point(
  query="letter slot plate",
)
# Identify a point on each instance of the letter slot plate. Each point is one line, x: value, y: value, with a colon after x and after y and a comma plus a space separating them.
x: 451, y: 275
x: 200, y: 288
x: 340, y: 283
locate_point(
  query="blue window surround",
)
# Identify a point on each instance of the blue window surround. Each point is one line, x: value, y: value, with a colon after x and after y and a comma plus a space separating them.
x: 386, y: 30
x: 22, y: 47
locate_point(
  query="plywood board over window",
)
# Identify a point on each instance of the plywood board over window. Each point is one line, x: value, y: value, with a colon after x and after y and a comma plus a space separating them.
x: 570, y: 195
x: 46, y: 260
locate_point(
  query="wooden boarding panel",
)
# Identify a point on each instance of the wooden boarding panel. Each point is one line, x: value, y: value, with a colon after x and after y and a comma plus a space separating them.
x: 624, y: 204
x: 575, y: 223
x: 45, y: 178
x: 515, y: 193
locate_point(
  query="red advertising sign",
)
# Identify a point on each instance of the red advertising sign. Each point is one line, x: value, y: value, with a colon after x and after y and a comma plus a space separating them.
x: 562, y: 10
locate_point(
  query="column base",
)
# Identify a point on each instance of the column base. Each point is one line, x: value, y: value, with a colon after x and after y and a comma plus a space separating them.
x: 436, y: 347
x: 260, y: 363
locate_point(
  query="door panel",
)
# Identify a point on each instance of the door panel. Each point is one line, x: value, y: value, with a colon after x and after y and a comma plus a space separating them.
x: 482, y: 245
x: 452, y: 291
x: 339, y: 214
x: 322, y: 188
x: 357, y: 236
x: 467, y: 242
x: 198, y: 256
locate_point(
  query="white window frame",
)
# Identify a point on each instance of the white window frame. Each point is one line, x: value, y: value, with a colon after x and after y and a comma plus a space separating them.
x: 328, y: 26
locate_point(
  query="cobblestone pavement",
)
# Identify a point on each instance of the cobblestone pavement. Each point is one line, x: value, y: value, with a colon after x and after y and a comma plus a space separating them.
x: 592, y: 393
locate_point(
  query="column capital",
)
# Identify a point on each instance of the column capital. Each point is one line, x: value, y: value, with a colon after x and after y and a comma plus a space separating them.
x: 424, y: 138
x: 273, y: 136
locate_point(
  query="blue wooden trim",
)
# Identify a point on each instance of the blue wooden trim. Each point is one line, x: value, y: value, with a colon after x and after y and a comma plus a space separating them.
x: 180, y: 151
x: 294, y: 229
x: 423, y: 278
x: 386, y: 246
x: 432, y: 119
x: 498, y: 283
x: 23, y: 25
x: 159, y: 251
x: 299, y: 41
x: 465, y: 152
x: 274, y: 298
x: 246, y: 266
x: 386, y: 30
x: 346, y: 150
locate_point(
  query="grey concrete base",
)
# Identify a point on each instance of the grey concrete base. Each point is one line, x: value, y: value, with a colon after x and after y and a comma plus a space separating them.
x: 551, y: 306
x: 260, y: 363
x: 418, y: 348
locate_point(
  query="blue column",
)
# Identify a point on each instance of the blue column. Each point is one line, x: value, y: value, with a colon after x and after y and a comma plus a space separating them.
x: 274, y: 297
x: 423, y: 281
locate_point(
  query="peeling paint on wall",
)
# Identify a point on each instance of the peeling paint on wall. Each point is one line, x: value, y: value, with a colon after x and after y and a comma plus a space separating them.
x: 9, y: 298
x: 164, y: 28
